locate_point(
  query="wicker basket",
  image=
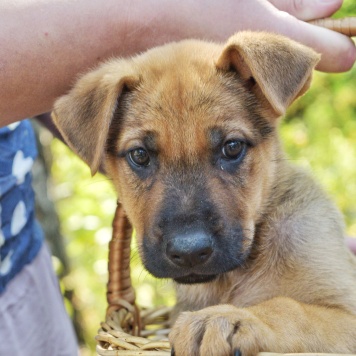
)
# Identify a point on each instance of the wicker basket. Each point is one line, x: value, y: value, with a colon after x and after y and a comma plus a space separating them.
x: 128, y: 330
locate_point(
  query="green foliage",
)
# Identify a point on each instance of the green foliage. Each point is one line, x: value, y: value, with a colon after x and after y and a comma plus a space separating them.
x: 348, y: 9
x: 319, y: 133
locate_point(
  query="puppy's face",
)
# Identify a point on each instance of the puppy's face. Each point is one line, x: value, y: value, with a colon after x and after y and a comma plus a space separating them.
x: 187, y: 132
x: 191, y: 156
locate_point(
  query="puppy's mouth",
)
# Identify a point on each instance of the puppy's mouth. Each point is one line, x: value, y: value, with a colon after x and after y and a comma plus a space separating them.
x: 195, y: 278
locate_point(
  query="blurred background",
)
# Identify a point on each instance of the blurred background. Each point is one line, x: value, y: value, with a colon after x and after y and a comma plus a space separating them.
x: 319, y: 133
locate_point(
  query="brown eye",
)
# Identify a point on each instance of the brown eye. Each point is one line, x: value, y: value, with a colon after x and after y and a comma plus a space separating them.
x: 139, y: 157
x: 233, y: 149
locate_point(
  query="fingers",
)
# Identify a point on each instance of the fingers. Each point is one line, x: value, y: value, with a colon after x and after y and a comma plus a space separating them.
x: 338, y: 52
x: 308, y: 9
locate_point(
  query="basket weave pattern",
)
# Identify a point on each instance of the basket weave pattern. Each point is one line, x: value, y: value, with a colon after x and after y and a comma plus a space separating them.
x: 128, y: 330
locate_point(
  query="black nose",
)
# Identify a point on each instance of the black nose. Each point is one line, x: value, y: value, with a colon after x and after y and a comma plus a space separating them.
x: 189, y: 250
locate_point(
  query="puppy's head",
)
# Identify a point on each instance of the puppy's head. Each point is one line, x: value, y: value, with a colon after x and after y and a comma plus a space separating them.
x: 187, y: 132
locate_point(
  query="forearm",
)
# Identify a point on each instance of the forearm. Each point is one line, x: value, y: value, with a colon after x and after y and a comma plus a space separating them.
x: 45, y: 44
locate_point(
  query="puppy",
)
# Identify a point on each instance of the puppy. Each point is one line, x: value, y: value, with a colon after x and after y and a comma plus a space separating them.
x: 188, y: 134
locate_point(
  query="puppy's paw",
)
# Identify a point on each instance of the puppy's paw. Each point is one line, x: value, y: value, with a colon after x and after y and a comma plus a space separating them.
x: 222, y: 330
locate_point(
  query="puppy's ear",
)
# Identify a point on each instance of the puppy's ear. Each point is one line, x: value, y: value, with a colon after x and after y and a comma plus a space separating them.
x: 273, y: 67
x: 84, y: 115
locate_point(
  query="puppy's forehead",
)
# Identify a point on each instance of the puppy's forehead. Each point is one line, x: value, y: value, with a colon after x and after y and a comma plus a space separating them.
x: 183, y: 99
x: 182, y: 78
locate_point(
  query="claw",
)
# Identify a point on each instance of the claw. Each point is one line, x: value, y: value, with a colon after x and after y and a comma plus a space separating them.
x: 237, y: 353
x: 173, y: 352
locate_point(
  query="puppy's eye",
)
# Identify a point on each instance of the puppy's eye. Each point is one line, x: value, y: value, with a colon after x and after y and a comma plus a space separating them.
x: 233, y: 149
x: 139, y: 157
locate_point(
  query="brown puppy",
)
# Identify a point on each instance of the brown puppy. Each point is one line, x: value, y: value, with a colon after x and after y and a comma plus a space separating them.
x: 188, y: 133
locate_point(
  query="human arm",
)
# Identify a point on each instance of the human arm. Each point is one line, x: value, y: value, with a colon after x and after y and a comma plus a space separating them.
x: 45, y: 44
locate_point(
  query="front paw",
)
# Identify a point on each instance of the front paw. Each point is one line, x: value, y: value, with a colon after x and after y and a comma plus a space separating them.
x: 222, y: 330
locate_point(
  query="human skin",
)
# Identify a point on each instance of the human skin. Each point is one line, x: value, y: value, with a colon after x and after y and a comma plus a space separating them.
x: 351, y: 242
x: 45, y: 44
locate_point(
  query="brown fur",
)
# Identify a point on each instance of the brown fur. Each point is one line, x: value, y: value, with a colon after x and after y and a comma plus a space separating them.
x: 293, y: 288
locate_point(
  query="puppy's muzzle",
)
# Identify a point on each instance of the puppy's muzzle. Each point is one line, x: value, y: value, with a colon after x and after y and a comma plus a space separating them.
x: 190, y: 249
x: 190, y: 240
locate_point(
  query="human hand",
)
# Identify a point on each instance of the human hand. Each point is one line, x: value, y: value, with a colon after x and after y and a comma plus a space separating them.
x: 307, y: 10
x: 46, y: 57
x: 287, y: 17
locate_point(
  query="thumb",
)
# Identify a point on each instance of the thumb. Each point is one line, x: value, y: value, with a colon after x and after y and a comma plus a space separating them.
x: 308, y: 9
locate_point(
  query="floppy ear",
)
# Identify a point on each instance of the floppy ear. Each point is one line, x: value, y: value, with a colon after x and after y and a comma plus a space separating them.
x: 280, y: 67
x: 84, y: 115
